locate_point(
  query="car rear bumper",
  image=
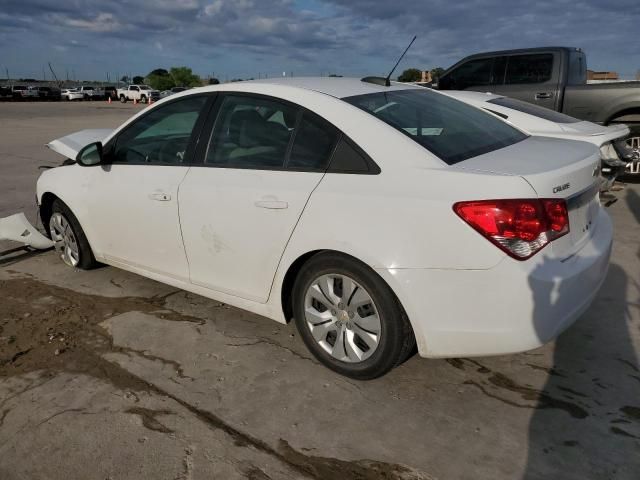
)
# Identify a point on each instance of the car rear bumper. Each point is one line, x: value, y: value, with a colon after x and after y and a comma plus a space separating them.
x: 512, y: 307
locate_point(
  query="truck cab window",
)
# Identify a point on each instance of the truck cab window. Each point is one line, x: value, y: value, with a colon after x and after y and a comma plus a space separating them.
x: 525, y: 69
x: 479, y: 72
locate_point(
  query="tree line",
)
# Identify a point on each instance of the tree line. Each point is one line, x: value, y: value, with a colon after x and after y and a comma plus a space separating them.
x: 162, y: 79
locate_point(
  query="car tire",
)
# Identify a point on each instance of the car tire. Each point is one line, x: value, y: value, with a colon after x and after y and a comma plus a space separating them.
x: 70, y: 241
x: 123, y: 99
x: 143, y: 99
x: 374, y: 330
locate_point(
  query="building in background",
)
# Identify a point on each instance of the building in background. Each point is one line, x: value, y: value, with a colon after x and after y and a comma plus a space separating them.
x: 593, y: 75
x: 426, y: 77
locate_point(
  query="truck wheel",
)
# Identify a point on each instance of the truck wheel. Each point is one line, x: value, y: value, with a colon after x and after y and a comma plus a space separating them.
x: 143, y: 99
x: 123, y: 99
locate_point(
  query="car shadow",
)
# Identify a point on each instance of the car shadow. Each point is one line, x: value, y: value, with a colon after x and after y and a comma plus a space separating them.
x: 595, y: 369
x: 633, y: 202
x: 15, y: 255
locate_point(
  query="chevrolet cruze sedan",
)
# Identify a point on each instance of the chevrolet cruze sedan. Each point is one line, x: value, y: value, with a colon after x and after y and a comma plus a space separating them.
x: 379, y: 218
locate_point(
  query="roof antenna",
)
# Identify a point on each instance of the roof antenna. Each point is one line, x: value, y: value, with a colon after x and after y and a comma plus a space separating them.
x: 387, y: 80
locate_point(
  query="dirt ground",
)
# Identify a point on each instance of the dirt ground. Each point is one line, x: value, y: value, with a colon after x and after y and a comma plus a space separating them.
x: 108, y: 375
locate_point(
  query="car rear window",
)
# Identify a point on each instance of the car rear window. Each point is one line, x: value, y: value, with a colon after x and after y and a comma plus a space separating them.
x: 535, y: 110
x: 450, y: 129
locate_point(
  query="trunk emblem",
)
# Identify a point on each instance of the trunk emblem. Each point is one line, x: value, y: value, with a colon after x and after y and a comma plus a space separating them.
x: 561, y: 188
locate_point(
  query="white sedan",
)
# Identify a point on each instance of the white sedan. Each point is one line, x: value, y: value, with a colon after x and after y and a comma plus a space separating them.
x: 71, y: 94
x: 379, y: 218
x: 617, y: 156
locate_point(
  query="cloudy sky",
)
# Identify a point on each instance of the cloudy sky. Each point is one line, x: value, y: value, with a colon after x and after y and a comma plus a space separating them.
x: 247, y: 38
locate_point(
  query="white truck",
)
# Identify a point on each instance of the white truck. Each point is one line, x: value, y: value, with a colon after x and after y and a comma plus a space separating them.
x: 90, y: 93
x: 141, y: 93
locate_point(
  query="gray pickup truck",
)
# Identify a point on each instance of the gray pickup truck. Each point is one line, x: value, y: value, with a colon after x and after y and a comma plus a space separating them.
x: 552, y: 77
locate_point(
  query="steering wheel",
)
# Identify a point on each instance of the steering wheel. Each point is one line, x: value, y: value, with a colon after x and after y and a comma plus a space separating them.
x: 173, y: 150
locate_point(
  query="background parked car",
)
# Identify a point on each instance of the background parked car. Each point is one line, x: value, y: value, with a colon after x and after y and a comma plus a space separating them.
x: 20, y: 92
x: 71, y: 94
x: 141, y: 93
x: 33, y: 93
x: 167, y: 93
x: 49, y: 93
x: 90, y: 92
x: 5, y: 92
x: 110, y: 92
x: 534, y: 120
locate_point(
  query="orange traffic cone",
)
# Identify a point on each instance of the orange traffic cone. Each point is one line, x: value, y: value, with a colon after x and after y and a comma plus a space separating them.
x: 150, y: 101
x: 109, y: 99
x: 135, y: 102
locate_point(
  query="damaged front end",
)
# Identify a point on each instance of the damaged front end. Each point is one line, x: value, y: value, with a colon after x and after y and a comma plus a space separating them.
x: 18, y: 229
x: 616, y: 156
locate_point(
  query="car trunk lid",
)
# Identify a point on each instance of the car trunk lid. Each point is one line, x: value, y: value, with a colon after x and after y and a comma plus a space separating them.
x: 555, y: 169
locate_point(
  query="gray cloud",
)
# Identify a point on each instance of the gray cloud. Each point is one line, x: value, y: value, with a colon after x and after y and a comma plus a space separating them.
x: 350, y: 36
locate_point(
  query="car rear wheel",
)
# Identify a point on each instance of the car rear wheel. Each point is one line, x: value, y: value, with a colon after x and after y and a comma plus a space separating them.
x: 69, y: 239
x: 349, y: 318
x: 123, y: 99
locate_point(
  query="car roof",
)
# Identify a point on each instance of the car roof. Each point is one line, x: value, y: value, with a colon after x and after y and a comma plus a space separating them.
x: 339, y: 87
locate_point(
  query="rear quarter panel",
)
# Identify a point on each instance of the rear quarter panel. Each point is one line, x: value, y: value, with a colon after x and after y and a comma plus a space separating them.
x: 401, y: 219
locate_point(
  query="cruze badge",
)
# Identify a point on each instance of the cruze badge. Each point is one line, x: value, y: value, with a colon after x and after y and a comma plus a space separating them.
x: 561, y: 188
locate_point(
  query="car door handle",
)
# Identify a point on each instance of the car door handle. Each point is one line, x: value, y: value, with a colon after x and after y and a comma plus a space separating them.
x: 543, y: 95
x: 160, y: 197
x: 271, y: 204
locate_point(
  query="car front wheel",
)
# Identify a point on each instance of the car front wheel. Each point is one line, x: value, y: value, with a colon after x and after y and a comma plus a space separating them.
x: 69, y: 239
x: 349, y: 318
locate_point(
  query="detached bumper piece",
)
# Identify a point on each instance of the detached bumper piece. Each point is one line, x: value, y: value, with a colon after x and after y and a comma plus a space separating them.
x: 18, y: 229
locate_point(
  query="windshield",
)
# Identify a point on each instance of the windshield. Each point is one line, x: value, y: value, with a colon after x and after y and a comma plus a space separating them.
x: 535, y: 110
x: 450, y: 129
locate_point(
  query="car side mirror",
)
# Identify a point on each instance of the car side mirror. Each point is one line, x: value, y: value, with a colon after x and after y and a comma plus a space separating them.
x: 90, y: 155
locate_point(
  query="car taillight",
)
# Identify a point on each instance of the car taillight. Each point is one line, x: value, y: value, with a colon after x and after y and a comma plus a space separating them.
x: 519, y: 227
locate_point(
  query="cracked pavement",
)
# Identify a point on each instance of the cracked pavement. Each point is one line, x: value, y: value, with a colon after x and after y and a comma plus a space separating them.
x: 108, y: 375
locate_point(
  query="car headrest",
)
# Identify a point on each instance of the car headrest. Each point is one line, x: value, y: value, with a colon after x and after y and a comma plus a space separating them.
x: 246, y: 128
